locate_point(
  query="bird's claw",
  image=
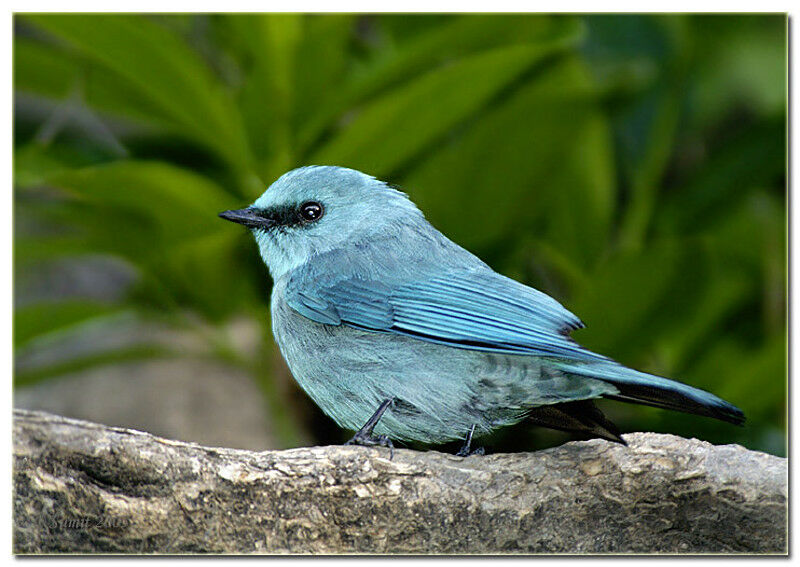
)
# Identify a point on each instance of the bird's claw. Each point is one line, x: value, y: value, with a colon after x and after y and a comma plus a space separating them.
x: 369, y: 441
x: 465, y: 452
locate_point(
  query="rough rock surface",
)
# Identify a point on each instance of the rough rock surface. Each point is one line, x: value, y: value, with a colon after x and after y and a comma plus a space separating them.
x: 83, y: 487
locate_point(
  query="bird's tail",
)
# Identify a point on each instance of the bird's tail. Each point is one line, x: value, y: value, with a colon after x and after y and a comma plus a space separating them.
x: 647, y: 389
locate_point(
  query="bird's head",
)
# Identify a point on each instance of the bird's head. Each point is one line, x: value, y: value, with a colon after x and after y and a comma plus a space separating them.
x: 314, y: 209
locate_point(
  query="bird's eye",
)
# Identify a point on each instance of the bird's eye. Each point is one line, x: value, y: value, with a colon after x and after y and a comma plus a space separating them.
x: 310, y: 211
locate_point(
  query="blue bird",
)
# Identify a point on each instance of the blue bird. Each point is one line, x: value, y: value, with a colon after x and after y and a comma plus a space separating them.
x: 398, y: 333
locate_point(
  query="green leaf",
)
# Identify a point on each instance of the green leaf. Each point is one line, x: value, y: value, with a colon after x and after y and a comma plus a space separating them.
x: 723, y: 295
x: 582, y: 191
x: 33, y: 164
x: 462, y: 37
x: 631, y: 299
x: 57, y: 73
x: 210, y: 275
x: 758, y: 227
x: 379, y: 139
x: 161, y: 218
x: 646, y: 173
x: 158, y: 67
x: 267, y: 98
x: 537, y: 163
x: 43, y: 69
x: 320, y: 65
x: 176, y: 203
x: 445, y: 44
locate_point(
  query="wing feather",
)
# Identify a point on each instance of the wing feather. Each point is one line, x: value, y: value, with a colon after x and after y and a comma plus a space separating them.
x: 471, y: 309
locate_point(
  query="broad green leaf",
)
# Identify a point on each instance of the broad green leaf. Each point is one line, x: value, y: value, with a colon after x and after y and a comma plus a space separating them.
x: 379, y: 138
x: 631, y: 299
x: 463, y: 36
x: 159, y: 67
x: 645, y: 174
x: 320, y: 64
x: 526, y: 166
x: 210, y: 274
x: 445, y: 44
x: 758, y: 227
x: 267, y: 96
x: 581, y: 193
x: 54, y: 72
x: 646, y: 125
x: 44, y: 69
x: 176, y: 202
x: 161, y: 218
x: 33, y: 164
x: 723, y: 295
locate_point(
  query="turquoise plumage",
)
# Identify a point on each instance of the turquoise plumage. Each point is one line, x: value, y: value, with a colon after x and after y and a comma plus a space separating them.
x: 389, y: 325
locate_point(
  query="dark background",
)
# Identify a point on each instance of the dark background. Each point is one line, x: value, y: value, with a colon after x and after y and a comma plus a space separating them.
x: 634, y: 167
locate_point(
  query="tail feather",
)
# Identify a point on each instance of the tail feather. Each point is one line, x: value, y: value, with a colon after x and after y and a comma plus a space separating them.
x: 577, y: 417
x: 647, y: 389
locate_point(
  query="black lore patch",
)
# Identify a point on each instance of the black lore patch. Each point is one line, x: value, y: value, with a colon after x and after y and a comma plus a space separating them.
x: 285, y: 216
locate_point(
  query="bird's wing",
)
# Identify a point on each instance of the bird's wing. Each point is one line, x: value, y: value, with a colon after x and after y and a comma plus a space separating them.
x: 470, y: 309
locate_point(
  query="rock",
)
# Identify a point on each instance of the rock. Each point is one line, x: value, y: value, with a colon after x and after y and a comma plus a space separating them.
x: 80, y: 487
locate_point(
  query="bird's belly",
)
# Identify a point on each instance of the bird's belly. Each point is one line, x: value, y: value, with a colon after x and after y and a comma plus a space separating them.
x: 439, y: 391
x: 349, y: 372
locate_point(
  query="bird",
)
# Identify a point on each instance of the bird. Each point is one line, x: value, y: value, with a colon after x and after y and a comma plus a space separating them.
x: 401, y: 335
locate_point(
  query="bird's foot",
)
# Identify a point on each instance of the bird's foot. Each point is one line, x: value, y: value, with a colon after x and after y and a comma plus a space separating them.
x: 465, y: 450
x: 368, y: 440
x: 365, y: 437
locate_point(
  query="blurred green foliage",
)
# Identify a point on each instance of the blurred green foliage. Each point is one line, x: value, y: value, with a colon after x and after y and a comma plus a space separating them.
x: 632, y: 166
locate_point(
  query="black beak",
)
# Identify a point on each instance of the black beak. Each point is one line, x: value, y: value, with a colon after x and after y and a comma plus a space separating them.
x: 249, y: 217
